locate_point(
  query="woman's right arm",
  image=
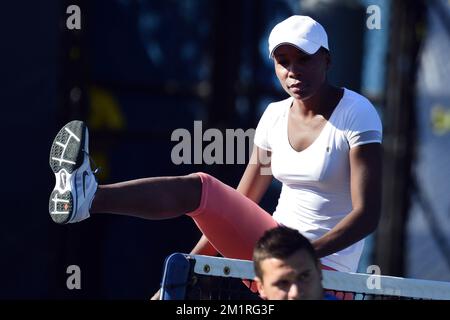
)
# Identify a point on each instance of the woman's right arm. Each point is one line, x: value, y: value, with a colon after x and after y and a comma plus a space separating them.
x: 254, y: 183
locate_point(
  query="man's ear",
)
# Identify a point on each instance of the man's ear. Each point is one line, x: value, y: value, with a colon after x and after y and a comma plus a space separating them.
x: 260, y: 287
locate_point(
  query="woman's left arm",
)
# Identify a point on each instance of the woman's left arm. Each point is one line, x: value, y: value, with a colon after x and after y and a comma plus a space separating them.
x: 365, y: 187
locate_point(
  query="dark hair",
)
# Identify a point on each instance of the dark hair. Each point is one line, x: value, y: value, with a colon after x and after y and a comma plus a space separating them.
x: 323, y: 50
x: 280, y: 242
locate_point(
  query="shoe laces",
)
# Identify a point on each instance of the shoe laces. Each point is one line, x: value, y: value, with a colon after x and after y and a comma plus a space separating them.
x: 91, y: 161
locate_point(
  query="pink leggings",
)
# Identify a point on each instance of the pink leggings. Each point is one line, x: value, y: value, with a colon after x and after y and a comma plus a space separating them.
x: 232, y: 222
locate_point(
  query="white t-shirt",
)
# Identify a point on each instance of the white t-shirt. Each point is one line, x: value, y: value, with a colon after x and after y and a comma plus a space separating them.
x: 316, y: 181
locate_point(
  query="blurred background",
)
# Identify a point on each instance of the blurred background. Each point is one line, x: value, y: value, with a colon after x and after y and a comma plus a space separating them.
x: 138, y: 70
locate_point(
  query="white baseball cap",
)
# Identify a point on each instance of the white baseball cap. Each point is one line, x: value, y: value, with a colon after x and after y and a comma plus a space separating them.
x: 301, y: 32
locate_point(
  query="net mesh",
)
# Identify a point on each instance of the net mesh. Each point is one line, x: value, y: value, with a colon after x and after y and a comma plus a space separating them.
x: 196, y: 277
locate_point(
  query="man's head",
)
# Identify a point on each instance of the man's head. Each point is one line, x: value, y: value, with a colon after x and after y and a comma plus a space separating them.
x: 299, y: 47
x: 286, y: 266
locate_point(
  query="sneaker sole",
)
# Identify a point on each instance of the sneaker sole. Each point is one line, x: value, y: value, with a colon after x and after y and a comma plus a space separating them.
x: 66, y: 156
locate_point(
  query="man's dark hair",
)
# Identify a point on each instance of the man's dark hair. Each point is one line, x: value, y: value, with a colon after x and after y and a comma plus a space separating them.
x: 280, y: 243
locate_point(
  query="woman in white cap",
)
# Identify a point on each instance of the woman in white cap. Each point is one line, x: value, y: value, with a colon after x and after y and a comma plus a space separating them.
x: 323, y: 144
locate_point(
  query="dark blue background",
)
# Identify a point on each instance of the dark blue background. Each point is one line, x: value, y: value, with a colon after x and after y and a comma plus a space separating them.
x: 148, y: 56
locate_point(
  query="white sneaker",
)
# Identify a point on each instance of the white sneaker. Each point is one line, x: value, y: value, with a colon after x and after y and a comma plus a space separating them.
x: 75, y: 185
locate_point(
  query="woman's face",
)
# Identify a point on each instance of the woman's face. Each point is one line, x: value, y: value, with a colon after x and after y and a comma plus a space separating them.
x: 300, y: 74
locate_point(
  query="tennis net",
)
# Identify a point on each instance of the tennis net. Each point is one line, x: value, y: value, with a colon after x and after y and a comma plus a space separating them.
x: 197, y: 277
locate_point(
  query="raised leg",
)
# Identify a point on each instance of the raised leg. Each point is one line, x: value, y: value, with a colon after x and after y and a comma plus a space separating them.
x: 150, y: 198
